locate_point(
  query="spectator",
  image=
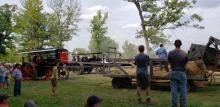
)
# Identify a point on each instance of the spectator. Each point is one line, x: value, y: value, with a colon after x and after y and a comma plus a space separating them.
x: 17, y: 75
x: 6, y: 75
x: 94, y: 101
x: 4, y: 100
x: 143, y: 82
x: 161, y: 52
x: 30, y: 103
x: 2, y: 78
x: 54, y: 78
x: 178, y: 80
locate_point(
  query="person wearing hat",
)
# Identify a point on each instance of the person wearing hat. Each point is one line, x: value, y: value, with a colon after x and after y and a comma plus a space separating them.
x: 30, y: 103
x: 93, y: 101
x: 4, y: 100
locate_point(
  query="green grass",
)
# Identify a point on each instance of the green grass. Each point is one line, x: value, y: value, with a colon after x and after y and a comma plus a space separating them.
x: 74, y: 92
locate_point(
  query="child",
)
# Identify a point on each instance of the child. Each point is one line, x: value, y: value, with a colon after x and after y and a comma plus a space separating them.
x: 54, y: 78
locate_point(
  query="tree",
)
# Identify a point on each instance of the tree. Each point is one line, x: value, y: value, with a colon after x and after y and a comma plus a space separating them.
x: 31, y: 25
x: 98, y: 31
x: 6, y: 38
x: 157, y: 16
x: 11, y: 56
x: 108, y: 42
x: 105, y: 43
x: 63, y: 21
x: 80, y: 50
x: 129, y: 50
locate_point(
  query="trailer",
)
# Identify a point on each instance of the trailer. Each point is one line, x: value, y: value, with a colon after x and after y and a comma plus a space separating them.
x: 125, y: 80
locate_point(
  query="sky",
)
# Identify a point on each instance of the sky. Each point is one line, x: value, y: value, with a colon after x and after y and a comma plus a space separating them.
x: 123, y: 22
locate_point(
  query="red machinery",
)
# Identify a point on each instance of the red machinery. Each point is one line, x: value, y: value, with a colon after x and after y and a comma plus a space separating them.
x: 41, y: 62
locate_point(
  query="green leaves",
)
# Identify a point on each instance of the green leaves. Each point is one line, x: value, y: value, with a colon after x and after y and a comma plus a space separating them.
x: 98, y: 30
x: 62, y: 23
x: 31, y: 25
x: 6, y: 24
x: 80, y: 50
x: 129, y: 50
x: 196, y: 17
x: 161, y: 15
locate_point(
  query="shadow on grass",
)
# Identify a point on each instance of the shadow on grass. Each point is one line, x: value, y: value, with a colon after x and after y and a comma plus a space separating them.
x: 165, y: 87
x: 155, y: 86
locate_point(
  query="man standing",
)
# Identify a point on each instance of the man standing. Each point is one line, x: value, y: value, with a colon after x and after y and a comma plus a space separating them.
x: 161, y: 52
x: 17, y: 75
x: 54, y: 78
x: 142, y: 61
x: 178, y: 60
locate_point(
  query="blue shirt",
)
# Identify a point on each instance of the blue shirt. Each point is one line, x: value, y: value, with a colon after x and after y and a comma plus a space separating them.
x: 142, y: 61
x: 162, y: 53
x: 17, y: 74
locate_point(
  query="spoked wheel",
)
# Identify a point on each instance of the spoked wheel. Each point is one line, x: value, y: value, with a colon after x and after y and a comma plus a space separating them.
x: 63, y: 74
x: 99, y: 70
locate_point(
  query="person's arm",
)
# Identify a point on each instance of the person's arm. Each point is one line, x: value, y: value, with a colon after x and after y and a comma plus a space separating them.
x: 169, y: 57
x: 186, y: 58
x: 157, y: 51
x: 165, y: 51
x: 148, y: 60
x: 14, y: 74
x: 135, y: 61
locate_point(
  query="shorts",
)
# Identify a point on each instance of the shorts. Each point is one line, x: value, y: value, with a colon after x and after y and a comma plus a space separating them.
x: 2, y: 79
x: 143, y: 80
x: 54, y: 82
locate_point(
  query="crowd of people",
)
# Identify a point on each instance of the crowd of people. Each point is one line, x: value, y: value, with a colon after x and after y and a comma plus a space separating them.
x: 178, y: 80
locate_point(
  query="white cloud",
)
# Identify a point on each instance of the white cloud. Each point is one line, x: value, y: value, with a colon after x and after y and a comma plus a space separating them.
x: 132, y: 25
x: 97, y: 7
x: 91, y: 11
x: 87, y: 16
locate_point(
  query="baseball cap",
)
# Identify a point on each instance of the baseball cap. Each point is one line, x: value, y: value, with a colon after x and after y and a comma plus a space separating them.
x: 93, y: 100
x: 3, y: 97
x: 30, y: 103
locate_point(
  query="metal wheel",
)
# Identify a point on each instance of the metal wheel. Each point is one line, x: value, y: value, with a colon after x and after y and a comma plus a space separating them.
x: 63, y: 73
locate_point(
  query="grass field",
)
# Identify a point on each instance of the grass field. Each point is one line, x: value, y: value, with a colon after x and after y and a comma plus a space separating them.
x: 74, y: 91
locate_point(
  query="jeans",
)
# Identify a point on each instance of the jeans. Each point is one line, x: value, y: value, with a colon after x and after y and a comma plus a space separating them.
x: 17, y: 88
x: 178, y: 81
